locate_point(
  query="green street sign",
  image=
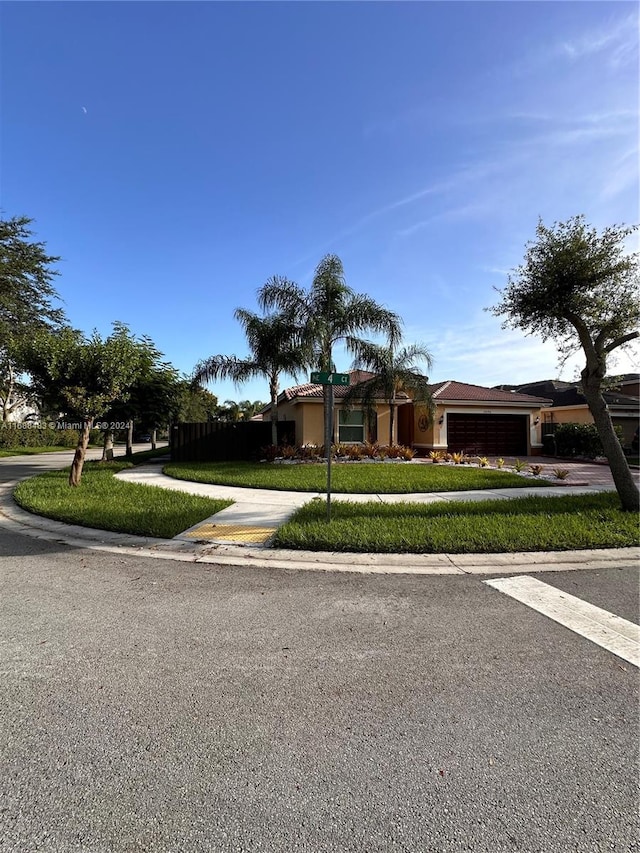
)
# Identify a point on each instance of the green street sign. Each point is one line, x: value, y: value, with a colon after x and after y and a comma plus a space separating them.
x: 324, y: 378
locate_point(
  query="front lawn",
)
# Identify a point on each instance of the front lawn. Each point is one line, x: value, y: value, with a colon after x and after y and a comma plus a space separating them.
x: 30, y: 451
x: 350, y: 478
x: 536, y: 523
x: 103, y: 502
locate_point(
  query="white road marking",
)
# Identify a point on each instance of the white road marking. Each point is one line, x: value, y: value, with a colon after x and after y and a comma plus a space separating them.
x: 613, y: 633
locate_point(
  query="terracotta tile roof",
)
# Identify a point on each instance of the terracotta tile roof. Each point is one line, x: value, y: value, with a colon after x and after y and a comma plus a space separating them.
x: 462, y: 392
x: 450, y: 391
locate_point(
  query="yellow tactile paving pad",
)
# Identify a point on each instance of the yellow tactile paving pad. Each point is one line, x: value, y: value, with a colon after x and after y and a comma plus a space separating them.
x: 231, y: 532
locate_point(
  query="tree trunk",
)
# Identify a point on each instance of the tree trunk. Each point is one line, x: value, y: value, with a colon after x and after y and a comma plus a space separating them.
x: 107, y: 448
x: 154, y: 439
x: 273, y: 391
x: 392, y: 419
x: 622, y: 477
x: 129, y: 450
x: 327, y: 393
x: 81, y: 450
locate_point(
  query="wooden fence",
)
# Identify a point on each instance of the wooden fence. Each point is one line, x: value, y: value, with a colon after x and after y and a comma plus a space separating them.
x: 219, y: 441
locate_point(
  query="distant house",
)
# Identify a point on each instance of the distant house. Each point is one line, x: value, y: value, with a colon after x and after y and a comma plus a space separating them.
x: 568, y: 403
x: 467, y: 417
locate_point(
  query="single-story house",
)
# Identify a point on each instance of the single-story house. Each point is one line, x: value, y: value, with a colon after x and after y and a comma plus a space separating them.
x: 568, y: 404
x: 303, y: 404
x: 467, y: 417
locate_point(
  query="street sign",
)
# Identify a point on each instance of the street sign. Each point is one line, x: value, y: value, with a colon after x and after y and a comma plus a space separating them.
x: 324, y: 378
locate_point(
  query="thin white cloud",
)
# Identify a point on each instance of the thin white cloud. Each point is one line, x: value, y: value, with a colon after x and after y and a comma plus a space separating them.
x: 623, y: 175
x: 483, y: 353
x: 466, y: 211
x: 620, y: 41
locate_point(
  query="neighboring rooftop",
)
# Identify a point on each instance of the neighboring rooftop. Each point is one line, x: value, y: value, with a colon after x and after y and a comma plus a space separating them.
x: 569, y: 393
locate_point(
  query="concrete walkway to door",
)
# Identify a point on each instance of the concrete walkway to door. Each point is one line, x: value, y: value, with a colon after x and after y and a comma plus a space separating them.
x: 256, y: 513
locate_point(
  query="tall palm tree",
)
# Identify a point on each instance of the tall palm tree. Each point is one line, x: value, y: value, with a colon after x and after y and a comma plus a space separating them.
x: 394, y: 371
x: 248, y: 409
x: 274, y: 348
x: 230, y: 411
x: 330, y: 312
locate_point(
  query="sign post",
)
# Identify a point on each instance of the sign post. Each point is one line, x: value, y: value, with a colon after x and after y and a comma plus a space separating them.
x: 323, y: 377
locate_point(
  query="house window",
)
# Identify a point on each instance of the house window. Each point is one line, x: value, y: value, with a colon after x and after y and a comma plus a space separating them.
x: 350, y: 426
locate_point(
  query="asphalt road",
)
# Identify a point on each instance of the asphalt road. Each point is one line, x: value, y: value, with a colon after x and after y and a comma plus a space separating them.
x: 150, y: 705
x: 15, y: 467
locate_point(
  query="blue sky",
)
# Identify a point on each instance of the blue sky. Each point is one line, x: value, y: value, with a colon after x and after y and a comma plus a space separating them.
x: 177, y: 155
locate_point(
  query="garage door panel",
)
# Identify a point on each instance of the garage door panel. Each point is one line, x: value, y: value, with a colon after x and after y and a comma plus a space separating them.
x: 488, y: 434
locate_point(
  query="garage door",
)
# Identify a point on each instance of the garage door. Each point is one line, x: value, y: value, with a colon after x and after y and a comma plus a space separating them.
x: 492, y: 435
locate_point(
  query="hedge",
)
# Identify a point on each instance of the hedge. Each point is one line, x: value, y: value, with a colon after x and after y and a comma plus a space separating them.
x: 27, y: 434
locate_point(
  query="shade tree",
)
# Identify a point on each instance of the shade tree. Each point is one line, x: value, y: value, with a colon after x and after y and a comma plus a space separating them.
x: 83, y: 377
x: 579, y: 287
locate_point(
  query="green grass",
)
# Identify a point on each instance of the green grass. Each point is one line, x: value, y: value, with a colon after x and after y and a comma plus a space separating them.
x: 358, y: 478
x: 103, y: 502
x: 536, y: 523
x: 30, y: 451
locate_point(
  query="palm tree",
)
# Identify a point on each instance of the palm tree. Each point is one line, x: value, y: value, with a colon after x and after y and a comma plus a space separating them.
x: 274, y: 348
x: 249, y: 409
x: 230, y: 411
x: 330, y: 312
x: 394, y: 371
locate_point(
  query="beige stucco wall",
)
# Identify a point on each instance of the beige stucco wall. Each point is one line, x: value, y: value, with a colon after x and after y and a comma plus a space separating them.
x: 627, y: 420
x: 312, y: 420
x: 309, y: 420
x: 433, y: 434
x: 567, y: 415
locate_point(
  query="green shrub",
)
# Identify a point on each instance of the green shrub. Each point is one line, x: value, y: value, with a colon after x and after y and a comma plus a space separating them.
x: 580, y: 440
x: 31, y: 434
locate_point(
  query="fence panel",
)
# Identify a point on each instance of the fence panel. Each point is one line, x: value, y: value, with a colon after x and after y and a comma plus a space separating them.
x: 218, y: 441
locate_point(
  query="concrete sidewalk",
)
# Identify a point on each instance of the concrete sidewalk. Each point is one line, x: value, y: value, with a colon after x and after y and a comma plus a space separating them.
x: 268, y: 509
x: 257, y: 513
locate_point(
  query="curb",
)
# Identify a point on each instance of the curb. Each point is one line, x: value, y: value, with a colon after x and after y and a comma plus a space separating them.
x: 19, y: 521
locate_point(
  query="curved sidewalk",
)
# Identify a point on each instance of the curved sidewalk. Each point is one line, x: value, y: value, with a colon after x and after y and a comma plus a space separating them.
x: 280, y: 505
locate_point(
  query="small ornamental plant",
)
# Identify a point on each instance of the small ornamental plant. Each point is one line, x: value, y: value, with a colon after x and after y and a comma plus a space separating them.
x: 436, y: 455
x: 407, y: 453
x: 536, y: 470
x: 519, y: 465
x: 483, y: 461
x: 500, y: 463
x: 457, y: 458
x: 393, y: 451
x: 354, y: 452
x: 370, y: 449
x: 309, y: 451
x: 561, y: 473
